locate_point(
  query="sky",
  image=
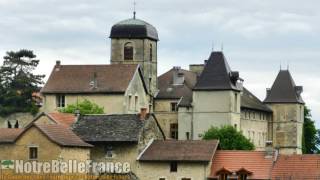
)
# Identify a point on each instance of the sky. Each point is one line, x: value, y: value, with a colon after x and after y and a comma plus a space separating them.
x: 256, y: 36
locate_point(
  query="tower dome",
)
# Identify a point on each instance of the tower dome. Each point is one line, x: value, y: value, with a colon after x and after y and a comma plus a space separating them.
x: 135, y: 29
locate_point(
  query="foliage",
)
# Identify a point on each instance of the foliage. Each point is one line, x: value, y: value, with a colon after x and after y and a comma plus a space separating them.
x: 310, y: 139
x: 230, y: 138
x: 84, y: 107
x: 17, y: 82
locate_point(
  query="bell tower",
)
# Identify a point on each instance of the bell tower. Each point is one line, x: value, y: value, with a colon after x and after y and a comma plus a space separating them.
x: 134, y: 41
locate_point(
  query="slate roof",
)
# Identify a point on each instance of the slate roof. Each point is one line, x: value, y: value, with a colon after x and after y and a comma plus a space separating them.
x: 233, y: 161
x: 180, y: 150
x: 8, y: 135
x: 284, y: 90
x: 61, y: 135
x: 77, y: 78
x: 109, y: 128
x: 250, y: 101
x: 216, y: 74
x: 306, y: 166
x: 134, y: 28
x: 167, y: 89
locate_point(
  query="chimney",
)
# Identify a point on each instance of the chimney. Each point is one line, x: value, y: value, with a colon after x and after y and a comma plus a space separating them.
x: 143, y: 113
x: 58, y: 64
x: 268, y: 91
x: 269, y: 149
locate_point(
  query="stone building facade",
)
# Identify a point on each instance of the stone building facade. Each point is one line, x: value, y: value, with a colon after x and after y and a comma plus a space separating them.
x: 186, y: 102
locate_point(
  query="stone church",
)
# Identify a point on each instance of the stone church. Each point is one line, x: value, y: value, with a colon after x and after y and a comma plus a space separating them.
x: 185, y: 102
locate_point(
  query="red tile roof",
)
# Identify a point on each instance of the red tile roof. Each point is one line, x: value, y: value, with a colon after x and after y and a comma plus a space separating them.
x: 9, y: 135
x: 65, y: 119
x: 113, y: 78
x: 180, y: 150
x: 61, y: 135
x: 305, y: 166
x: 252, y: 161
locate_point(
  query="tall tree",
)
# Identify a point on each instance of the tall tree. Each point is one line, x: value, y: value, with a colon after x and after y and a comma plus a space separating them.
x: 229, y: 137
x: 310, y: 138
x: 17, y: 82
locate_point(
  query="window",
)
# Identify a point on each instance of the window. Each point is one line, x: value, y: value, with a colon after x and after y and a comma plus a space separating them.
x: 33, y: 153
x: 162, y: 178
x: 150, y: 52
x: 9, y: 124
x: 109, y: 151
x: 235, y: 126
x: 187, y: 135
x: 173, y: 167
x: 223, y: 177
x: 235, y: 102
x: 16, y: 125
x: 136, y: 103
x: 128, y: 51
x: 129, y: 102
x: 185, y: 178
x: 174, y: 131
x: 243, y: 177
x: 174, y: 107
x: 60, y: 101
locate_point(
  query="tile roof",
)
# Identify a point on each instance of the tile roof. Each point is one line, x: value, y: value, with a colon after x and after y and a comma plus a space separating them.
x: 8, y: 135
x: 253, y: 161
x: 284, y: 90
x: 61, y: 135
x: 250, y: 101
x: 109, y: 128
x: 79, y: 78
x: 180, y: 150
x: 306, y: 166
x: 66, y: 119
x: 167, y: 89
x: 217, y: 75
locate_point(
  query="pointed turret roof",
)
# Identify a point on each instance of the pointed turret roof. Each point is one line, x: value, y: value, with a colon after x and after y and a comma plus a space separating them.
x: 284, y: 90
x: 217, y: 75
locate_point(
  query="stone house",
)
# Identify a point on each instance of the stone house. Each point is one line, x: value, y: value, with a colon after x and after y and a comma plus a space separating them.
x: 172, y: 159
x: 52, y: 142
x: 117, y: 88
x: 119, y: 137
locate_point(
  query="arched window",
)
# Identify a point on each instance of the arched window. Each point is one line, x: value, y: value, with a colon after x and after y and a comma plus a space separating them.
x: 128, y: 51
x: 151, y: 52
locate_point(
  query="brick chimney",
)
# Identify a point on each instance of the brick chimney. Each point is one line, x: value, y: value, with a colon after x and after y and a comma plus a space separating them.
x: 58, y: 64
x: 143, y: 113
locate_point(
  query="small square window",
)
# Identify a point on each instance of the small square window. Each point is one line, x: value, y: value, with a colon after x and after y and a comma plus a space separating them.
x: 174, y: 107
x: 173, y: 166
x: 109, y: 151
x: 60, y: 101
x: 174, y: 131
x: 33, y: 153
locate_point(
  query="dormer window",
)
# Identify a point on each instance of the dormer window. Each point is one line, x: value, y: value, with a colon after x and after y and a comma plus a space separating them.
x: 223, y: 174
x: 128, y: 51
x: 243, y: 174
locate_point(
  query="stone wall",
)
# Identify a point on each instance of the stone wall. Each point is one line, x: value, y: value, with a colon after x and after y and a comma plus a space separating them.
x: 156, y: 170
x: 287, y: 127
x: 141, y: 55
x: 165, y: 117
x: 23, y: 119
x: 215, y: 108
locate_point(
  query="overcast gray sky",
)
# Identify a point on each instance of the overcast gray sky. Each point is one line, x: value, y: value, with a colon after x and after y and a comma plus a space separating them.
x: 257, y: 35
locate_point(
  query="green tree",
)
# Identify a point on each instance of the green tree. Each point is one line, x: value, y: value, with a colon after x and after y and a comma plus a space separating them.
x: 84, y: 107
x: 230, y: 138
x: 310, y: 138
x: 17, y: 82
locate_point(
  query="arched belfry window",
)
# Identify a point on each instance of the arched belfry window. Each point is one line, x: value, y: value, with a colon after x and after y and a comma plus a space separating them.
x: 128, y: 51
x: 151, y: 52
